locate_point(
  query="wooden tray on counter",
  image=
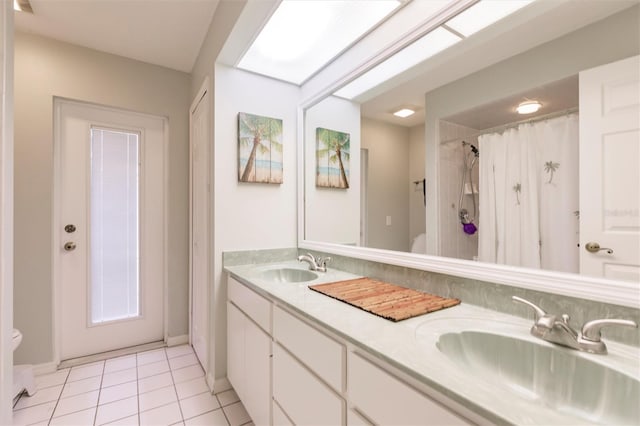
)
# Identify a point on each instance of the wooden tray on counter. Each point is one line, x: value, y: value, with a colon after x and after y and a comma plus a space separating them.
x: 389, y: 301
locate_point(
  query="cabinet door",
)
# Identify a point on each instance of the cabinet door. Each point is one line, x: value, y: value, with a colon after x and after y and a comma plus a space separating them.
x: 235, y: 348
x: 258, y: 373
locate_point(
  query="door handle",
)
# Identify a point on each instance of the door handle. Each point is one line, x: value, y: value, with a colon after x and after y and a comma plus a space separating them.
x: 69, y: 246
x: 594, y: 247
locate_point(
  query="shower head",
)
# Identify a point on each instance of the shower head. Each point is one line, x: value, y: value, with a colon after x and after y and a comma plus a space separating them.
x: 475, y: 150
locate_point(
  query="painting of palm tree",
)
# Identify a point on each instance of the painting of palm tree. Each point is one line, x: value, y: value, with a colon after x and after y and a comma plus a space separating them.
x: 259, y: 149
x: 332, y: 156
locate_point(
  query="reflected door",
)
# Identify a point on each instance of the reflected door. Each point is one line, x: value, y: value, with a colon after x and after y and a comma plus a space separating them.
x: 110, y: 229
x: 610, y: 170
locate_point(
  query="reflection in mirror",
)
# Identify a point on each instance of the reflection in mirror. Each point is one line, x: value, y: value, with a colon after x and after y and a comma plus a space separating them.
x: 420, y: 184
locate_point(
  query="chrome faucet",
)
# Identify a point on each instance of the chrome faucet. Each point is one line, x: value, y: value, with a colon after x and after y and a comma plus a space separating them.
x: 557, y: 330
x: 319, y: 264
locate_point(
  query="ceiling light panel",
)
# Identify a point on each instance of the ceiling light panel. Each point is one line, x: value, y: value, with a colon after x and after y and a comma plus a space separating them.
x: 528, y: 107
x: 303, y: 36
x: 426, y: 47
x: 404, y: 113
x: 483, y: 14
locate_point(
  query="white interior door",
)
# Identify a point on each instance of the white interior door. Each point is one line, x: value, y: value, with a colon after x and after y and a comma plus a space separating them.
x: 109, y: 228
x: 200, y: 238
x: 610, y: 170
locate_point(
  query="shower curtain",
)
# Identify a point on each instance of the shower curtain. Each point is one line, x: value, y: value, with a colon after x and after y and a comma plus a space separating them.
x: 529, y: 195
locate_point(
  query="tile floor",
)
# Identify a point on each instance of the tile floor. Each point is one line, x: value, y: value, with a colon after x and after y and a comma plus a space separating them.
x: 160, y: 387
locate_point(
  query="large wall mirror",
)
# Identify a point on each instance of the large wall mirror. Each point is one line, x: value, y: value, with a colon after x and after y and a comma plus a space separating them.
x: 466, y: 182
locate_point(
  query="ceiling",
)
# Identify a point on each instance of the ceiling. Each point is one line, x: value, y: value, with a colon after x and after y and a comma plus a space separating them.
x: 492, y: 45
x: 168, y: 33
x: 557, y: 96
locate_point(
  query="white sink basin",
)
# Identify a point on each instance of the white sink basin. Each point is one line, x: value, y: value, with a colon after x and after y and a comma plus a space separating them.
x: 581, y: 385
x: 287, y: 275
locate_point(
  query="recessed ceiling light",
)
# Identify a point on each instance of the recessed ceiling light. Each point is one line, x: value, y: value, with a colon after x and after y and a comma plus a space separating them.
x: 528, y: 107
x: 302, y: 36
x: 483, y: 14
x: 404, y: 113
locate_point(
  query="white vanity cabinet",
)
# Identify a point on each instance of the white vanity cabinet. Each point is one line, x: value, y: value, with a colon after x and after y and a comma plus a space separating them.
x: 386, y: 400
x: 249, y: 350
x: 289, y: 370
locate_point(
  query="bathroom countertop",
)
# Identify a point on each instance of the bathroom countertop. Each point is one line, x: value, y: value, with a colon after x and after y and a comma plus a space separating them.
x: 409, y: 345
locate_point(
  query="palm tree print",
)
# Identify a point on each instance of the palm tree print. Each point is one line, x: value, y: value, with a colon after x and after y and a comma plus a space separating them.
x: 550, y: 167
x: 260, y: 138
x: 332, y: 150
x: 517, y: 188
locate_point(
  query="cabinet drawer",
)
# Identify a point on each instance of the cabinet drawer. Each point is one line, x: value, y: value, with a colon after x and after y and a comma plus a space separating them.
x: 305, y: 399
x: 253, y: 305
x: 320, y: 353
x: 386, y: 400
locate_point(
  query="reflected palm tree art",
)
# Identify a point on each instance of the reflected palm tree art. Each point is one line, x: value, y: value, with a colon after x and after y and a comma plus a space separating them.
x: 260, y: 149
x: 332, y: 156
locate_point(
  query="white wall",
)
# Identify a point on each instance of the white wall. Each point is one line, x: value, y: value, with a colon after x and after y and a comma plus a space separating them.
x: 331, y: 214
x: 248, y: 215
x: 453, y: 241
x: 605, y: 41
x: 417, y: 171
x: 388, y: 180
x: 6, y: 210
x: 46, y: 68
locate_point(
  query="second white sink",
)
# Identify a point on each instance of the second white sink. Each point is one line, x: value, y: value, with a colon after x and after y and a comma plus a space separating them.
x: 581, y: 385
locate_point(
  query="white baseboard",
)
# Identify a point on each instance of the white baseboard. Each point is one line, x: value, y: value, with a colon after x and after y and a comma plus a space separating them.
x: 45, y: 368
x: 177, y: 340
x: 220, y: 385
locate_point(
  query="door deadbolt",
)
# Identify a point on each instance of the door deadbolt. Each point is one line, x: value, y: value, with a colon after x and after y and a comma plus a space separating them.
x: 69, y: 246
x: 69, y: 229
x: 595, y: 248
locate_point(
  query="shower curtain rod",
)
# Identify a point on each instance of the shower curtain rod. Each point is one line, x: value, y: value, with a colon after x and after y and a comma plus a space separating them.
x: 514, y: 124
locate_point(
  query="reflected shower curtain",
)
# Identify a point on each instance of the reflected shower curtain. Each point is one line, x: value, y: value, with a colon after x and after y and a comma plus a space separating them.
x: 529, y: 195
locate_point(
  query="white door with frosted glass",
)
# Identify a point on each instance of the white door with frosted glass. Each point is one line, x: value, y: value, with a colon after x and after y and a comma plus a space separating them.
x: 109, y: 228
x: 610, y: 170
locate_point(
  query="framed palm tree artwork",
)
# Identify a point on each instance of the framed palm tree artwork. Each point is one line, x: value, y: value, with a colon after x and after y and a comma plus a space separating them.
x: 259, y: 149
x: 332, y: 158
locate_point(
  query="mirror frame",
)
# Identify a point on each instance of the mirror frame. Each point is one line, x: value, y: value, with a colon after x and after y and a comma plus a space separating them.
x: 573, y: 285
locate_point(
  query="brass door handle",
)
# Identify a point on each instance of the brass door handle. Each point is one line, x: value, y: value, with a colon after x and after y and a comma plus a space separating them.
x: 69, y: 246
x: 593, y: 247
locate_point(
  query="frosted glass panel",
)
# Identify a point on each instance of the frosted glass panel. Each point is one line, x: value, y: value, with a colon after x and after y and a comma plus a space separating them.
x: 115, y: 274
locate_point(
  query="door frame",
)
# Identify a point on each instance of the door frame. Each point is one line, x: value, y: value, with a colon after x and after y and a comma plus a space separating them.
x: 204, y: 90
x: 56, y: 280
x: 6, y: 210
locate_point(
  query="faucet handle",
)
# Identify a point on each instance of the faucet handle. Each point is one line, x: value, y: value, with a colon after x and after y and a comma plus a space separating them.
x: 591, y: 329
x: 538, y: 310
x: 323, y: 261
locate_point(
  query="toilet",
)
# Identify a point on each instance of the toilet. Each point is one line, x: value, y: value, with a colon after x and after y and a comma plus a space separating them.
x: 22, y: 374
x: 419, y: 244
